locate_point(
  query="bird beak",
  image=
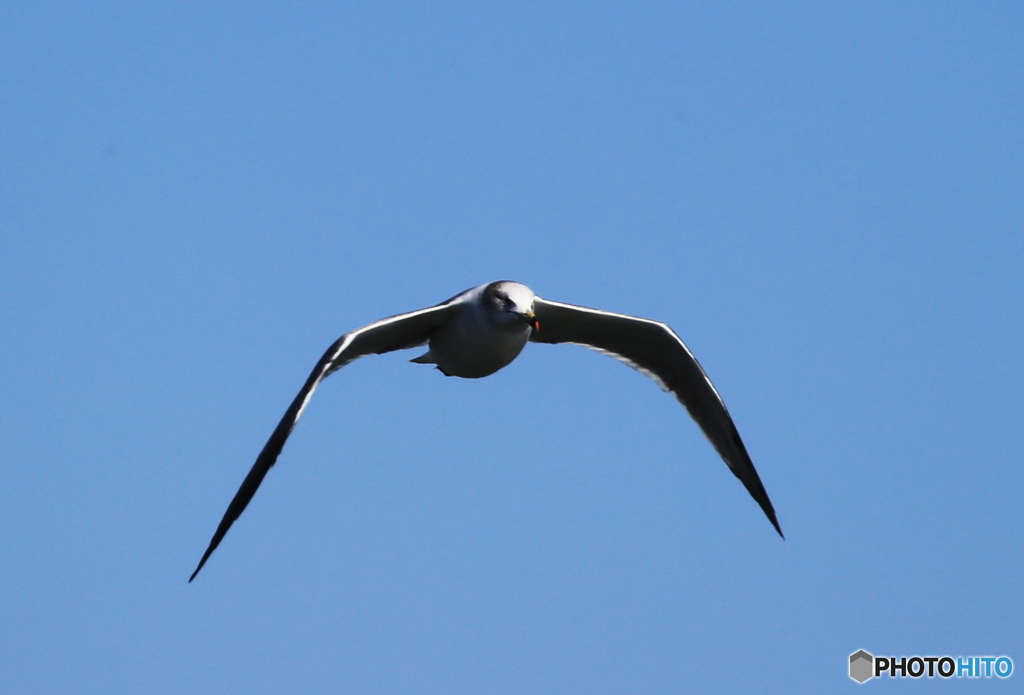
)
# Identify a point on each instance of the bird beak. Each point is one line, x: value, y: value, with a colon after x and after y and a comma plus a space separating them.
x: 529, y: 317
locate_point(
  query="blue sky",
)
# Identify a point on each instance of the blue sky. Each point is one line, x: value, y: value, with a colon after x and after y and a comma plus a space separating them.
x: 826, y: 203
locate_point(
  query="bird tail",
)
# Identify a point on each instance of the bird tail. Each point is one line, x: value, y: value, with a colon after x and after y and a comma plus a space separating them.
x: 426, y: 358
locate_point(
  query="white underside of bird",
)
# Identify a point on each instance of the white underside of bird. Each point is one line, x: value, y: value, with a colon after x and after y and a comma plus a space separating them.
x: 478, y: 341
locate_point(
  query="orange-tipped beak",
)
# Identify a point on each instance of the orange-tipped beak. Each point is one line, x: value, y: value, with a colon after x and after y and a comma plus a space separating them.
x: 530, y: 319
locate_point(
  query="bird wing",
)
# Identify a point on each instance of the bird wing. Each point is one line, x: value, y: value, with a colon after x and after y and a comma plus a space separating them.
x: 651, y: 347
x: 394, y: 333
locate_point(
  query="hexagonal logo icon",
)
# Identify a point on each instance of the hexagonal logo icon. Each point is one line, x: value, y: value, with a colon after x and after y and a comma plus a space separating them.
x: 862, y: 666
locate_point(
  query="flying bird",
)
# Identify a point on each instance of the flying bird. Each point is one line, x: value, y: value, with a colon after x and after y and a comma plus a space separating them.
x: 481, y: 330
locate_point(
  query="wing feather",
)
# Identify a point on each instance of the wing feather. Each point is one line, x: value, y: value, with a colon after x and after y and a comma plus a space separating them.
x: 652, y: 348
x: 394, y: 333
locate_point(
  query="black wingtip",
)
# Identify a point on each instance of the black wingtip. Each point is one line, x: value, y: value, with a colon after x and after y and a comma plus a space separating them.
x: 757, y: 491
x: 752, y: 481
x: 206, y: 556
x: 766, y: 506
x: 197, y: 571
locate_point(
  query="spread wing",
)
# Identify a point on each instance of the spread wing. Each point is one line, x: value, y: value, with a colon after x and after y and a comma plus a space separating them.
x: 654, y: 349
x: 394, y: 333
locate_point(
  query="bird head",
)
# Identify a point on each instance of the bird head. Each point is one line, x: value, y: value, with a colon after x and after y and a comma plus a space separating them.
x: 510, y: 302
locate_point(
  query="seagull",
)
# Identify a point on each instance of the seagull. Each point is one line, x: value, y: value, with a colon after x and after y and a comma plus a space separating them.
x: 481, y: 330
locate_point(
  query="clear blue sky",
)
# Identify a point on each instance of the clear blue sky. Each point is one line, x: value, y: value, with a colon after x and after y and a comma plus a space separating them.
x: 196, y: 199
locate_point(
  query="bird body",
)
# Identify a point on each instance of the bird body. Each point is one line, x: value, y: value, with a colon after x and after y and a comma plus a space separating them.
x: 489, y: 330
x: 482, y: 330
